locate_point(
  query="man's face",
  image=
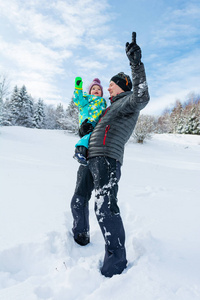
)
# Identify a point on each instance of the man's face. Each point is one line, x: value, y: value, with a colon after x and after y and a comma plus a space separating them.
x: 114, y: 89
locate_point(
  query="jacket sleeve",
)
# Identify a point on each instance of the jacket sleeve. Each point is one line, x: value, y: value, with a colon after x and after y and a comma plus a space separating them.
x: 140, y: 96
x: 79, y: 98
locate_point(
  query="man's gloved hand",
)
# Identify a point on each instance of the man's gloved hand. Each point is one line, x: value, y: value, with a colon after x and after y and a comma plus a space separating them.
x: 85, y: 128
x: 133, y: 51
x: 78, y: 83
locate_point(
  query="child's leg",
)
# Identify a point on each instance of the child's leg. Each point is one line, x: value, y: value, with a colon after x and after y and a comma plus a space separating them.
x: 81, y: 149
x: 84, y: 141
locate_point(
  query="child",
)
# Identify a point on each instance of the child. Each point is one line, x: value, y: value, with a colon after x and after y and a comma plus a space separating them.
x: 90, y: 106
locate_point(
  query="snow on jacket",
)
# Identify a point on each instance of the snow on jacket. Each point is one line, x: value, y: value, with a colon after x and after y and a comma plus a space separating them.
x: 90, y: 106
x: 117, y: 123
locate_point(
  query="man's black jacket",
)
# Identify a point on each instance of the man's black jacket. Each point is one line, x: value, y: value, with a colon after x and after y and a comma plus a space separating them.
x: 118, y: 121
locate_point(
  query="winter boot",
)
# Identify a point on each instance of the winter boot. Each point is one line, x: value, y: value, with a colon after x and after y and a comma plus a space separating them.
x: 80, y: 155
x: 82, y: 239
x: 114, y: 262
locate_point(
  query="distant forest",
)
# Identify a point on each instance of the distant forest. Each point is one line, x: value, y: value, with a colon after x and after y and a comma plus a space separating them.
x: 20, y: 109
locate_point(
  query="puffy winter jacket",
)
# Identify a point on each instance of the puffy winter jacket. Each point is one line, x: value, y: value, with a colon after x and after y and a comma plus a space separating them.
x: 117, y: 123
x: 90, y: 106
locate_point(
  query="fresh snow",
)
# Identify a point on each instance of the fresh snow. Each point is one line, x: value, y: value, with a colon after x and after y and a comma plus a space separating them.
x: 159, y: 199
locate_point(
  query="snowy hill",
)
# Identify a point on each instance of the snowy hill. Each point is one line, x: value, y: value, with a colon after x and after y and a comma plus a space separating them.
x: 159, y: 196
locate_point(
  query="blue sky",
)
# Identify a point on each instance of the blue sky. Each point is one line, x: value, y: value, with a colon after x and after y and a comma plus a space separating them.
x: 45, y: 44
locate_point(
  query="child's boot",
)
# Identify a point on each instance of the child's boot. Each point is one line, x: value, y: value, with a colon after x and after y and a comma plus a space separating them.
x: 80, y: 155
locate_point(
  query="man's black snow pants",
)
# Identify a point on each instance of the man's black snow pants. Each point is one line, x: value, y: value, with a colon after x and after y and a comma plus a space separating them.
x: 102, y: 174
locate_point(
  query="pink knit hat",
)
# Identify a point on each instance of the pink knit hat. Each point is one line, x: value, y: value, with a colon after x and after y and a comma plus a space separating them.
x: 96, y: 81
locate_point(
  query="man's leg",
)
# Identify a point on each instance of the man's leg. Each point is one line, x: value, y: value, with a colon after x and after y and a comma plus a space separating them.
x: 106, y: 173
x: 79, y: 205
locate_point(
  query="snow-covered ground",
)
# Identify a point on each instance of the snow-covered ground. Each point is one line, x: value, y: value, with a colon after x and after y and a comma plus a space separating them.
x: 159, y: 198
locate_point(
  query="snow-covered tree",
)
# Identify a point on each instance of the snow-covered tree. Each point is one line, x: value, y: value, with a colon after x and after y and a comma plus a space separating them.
x: 182, y: 118
x: 25, y: 109
x: 163, y: 122
x: 1, y: 112
x: 39, y: 115
x: 50, y: 117
x: 4, y: 91
x: 67, y: 120
x: 60, y: 115
x: 6, y: 116
x: 176, y: 118
x: 72, y: 117
x: 191, y: 121
x: 14, y: 103
x: 144, y: 128
x: 4, y: 87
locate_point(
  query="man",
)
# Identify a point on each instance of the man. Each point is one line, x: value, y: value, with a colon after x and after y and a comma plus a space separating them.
x: 105, y: 157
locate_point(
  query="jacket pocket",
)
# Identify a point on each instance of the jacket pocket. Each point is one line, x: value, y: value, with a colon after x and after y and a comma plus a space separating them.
x: 105, y: 135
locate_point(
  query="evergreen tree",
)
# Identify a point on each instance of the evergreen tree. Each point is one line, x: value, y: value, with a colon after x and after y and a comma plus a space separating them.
x: 25, y: 109
x: 39, y: 115
x: 67, y: 120
x: 192, y: 121
x: 14, y: 103
x: 72, y: 117
x: 5, y: 113
x: 183, y: 118
x: 60, y: 115
x: 6, y: 116
x: 4, y: 91
x: 4, y: 87
x: 50, y: 117
x: 1, y: 111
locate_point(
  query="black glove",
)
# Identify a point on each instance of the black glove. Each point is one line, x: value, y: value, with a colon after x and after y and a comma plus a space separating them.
x: 133, y: 51
x: 85, y: 128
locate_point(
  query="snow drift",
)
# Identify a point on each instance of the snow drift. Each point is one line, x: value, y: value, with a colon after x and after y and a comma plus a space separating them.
x: 159, y: 201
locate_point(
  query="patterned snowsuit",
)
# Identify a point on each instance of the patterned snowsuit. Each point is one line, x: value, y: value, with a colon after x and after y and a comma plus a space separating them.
x: 90, y: 107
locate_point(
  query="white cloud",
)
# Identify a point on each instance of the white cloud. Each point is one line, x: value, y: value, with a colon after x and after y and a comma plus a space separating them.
x: 44, y: 45
x: 174, y: 56
x: 34, y: 57
x: 34, y: 65
x: 174, y: 81
x: 49, y: 39
x: 87, y: 64
x: 182, y: 72
x: 190, y: 10
x: 178, y: 26
x: 53, y: 39
x: 164, y: 101
x: 28, y: 20
x: 67, y: 23
x: 108, y: 49
x: 39, y: 85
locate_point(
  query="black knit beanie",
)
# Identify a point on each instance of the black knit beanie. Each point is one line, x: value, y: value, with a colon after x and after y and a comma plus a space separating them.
x: 123, y: 81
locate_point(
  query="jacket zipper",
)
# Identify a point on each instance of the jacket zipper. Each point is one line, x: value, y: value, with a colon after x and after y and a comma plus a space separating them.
x: 105, y: 135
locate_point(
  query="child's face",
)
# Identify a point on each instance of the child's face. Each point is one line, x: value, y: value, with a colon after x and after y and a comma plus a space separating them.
x: 96, y: 91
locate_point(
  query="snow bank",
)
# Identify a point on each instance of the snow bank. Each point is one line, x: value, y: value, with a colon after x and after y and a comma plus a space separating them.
x: 159, y: 202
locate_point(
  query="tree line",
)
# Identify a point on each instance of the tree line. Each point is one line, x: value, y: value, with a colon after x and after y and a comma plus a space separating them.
x: 181, y: 118
x: 20, y: 109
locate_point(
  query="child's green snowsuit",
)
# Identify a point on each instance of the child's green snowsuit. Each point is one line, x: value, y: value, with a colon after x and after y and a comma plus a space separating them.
x: 90, y: 107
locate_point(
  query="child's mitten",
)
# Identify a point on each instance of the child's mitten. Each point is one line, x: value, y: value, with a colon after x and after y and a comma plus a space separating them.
x: 78, y: 83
